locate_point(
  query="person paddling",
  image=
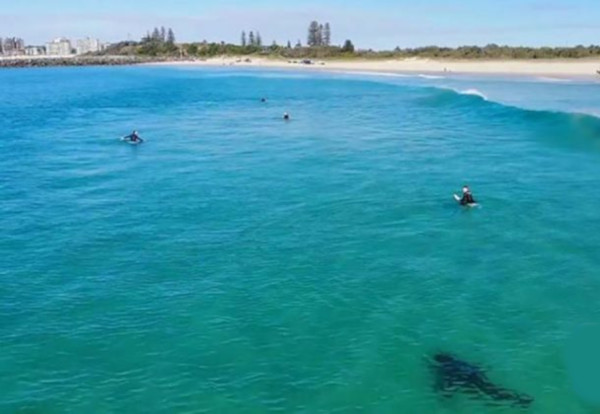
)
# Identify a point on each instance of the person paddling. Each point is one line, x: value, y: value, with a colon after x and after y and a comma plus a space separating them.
x: 467, y: 197
x: 133, y: 137
x: 286, y: 116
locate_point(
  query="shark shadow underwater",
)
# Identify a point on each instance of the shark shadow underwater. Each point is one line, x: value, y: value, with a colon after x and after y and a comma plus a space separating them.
x: 453, y: 375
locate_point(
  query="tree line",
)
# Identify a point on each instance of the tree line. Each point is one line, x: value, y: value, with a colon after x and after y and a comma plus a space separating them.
x: 491, y: 51
x: 162, y: 42
x: 206, y: 49
x: 298, y: 51
x: 159, y: 41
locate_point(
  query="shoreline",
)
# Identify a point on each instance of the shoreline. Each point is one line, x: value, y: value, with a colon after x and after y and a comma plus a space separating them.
x: 558, y: 68
x: 554, y: 69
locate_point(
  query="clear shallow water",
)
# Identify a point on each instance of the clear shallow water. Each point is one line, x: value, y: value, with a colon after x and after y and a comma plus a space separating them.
x: 236, y: 263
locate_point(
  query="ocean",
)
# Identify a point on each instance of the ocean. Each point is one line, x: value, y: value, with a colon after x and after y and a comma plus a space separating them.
x: 237, y: 263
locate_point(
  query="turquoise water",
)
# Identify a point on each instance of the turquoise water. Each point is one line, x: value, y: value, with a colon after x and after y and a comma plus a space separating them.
x: 235, y: 263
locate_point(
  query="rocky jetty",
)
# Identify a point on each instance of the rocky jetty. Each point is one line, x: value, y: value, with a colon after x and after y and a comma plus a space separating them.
x: 46, y: 61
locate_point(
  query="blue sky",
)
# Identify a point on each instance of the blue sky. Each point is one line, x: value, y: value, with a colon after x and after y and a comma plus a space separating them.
x: 377, y: 24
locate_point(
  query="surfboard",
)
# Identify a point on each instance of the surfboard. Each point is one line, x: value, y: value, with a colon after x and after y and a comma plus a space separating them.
x: 457, y: 199
x: 130, y: 142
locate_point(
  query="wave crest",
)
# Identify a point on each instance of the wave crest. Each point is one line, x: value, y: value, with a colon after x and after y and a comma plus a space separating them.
x: 473, y: 92
x: 552, y: 80
x: 431, y: 76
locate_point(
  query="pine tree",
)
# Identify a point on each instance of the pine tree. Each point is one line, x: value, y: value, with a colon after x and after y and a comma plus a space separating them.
x: 320, y: 35
x: 258, y: 39
x: 327, y: 35
x: 298, y: 44
x: 244, y: 41
x: 170, y: 37
x: 156, y: 34
x: 313, y: 33
x: 348, y: 47
x: 251, y: 39
x: 289, y: 44
x: 163, y: 34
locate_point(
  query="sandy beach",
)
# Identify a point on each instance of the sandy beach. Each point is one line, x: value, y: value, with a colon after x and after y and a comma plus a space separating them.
x: 563, y: 68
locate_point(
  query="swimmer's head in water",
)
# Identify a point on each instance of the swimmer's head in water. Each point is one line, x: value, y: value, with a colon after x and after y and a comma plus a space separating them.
x: 465, y: 189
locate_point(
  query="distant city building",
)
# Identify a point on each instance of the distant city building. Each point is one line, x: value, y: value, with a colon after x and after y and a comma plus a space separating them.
x: 35, y: 50
x: 12, y: 46
x: 59, y: 47
x: 88, y: 45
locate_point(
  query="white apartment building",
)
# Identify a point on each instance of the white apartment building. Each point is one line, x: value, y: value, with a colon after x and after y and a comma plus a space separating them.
x: 59, y: 47
x: 88, y: 45
x: 35, y: 50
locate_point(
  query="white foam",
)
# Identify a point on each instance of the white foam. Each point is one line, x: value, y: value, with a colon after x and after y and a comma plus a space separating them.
x: 279, y: 75
x: 387, y: 74
x: 431, y: 76
x: 474, y: 92
x: 589, y: 111
x: 549, y: 79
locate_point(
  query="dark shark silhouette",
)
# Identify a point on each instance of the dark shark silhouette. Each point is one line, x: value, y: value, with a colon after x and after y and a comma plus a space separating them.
x: 453, y: 375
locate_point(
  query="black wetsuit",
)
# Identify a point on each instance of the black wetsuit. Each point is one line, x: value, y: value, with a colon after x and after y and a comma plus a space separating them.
x: 467, y: 199
x: 134, y: 138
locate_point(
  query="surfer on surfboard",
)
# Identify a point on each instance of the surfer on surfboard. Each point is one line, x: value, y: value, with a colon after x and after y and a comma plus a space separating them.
x: 467, y: 198
x: 133, y: 138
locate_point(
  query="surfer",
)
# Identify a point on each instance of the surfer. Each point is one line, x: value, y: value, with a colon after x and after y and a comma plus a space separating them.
x: 133, y: 137
x: 263, y: 100
x: 467, y: 198
x: 286, y: 116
